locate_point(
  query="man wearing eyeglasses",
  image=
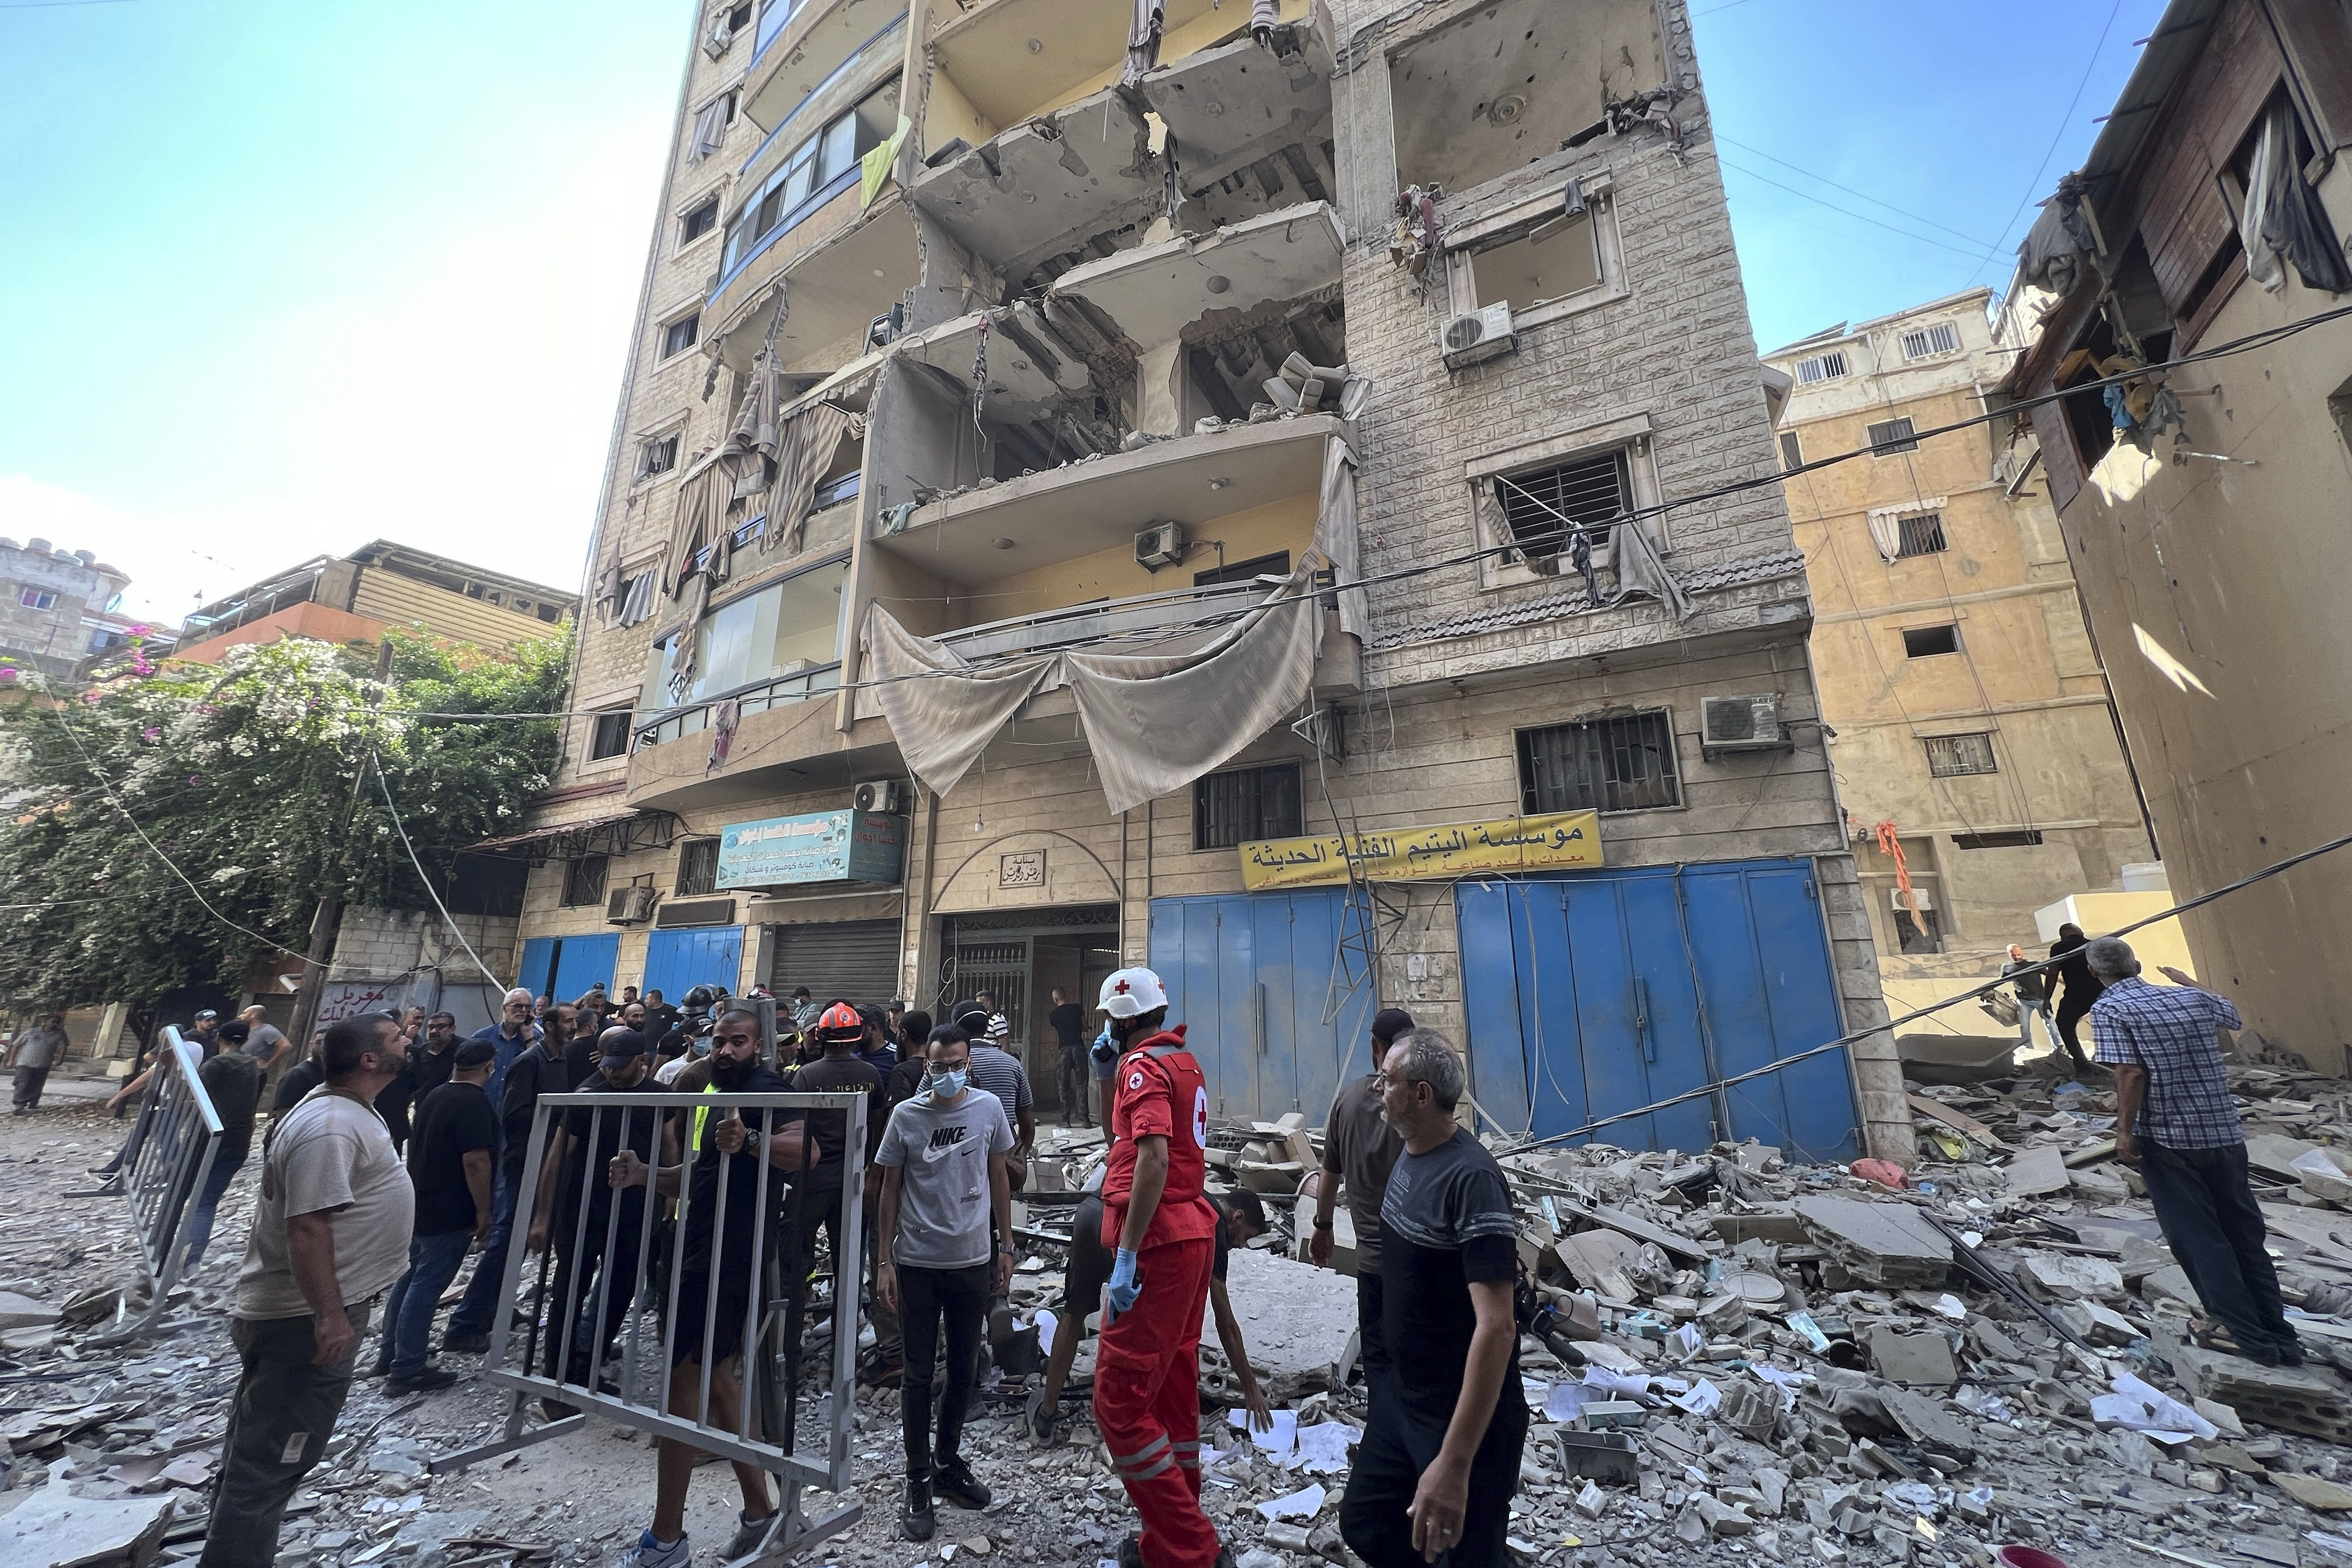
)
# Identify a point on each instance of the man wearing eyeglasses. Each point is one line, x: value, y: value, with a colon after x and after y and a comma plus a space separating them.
x: 1440, y: 1459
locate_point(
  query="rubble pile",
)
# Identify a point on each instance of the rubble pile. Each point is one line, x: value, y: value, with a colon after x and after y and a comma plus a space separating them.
x: 1729, y: 1357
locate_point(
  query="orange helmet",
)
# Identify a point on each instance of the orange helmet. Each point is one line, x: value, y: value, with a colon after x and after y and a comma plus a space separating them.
x: 841, y: 1022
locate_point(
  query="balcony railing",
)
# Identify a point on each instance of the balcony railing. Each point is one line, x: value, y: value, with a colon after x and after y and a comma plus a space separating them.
x: 781, y: 691
x: 1169, y: 613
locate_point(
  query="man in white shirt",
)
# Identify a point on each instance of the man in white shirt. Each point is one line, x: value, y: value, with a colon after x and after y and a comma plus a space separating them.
x: 330, y: 1236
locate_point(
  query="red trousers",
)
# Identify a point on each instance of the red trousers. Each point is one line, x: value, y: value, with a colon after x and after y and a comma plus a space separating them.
x: 1148, y: 1403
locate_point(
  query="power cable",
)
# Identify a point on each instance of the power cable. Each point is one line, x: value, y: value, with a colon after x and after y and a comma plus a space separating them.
x: 1857, y: 1035
x: 1849, y: 212
x: 2034, y: 183
x: 430, y: 890
x: 1849, y: 190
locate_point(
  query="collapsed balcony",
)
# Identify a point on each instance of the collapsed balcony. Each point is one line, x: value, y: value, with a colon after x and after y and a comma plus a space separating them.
x: 1035, y: 172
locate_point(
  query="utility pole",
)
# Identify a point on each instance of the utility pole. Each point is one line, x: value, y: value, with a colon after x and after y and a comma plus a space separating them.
x: 327, y: 919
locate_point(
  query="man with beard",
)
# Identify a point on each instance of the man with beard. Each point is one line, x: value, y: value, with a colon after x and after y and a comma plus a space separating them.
x: 716, y: 1266
x: 575, y: 1207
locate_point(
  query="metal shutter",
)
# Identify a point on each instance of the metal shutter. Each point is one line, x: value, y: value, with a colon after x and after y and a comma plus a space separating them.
x: 856, y: 959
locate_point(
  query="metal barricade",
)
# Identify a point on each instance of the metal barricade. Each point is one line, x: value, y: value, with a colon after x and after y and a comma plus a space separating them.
x: 173, y: 1145
x: 663, y: 1302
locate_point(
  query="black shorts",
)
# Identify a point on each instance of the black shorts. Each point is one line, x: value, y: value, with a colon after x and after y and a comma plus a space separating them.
x: 1090, y: 1261
x: 726, y: 1334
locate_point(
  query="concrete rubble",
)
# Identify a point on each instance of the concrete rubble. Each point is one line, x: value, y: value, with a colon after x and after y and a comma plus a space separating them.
x: 1734, y: 1359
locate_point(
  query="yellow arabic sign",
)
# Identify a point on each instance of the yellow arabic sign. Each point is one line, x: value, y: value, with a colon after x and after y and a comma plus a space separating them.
x: 1568, y: 841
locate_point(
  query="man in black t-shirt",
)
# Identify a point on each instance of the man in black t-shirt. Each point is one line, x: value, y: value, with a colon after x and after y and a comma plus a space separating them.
x: 716, y: 1266
x: 233, y: 1079
x: 597, y: 1240
x: 842, y: 1030
x: 1439, y: 1458
x: 1069, y: 1021
x: 450, y: 1160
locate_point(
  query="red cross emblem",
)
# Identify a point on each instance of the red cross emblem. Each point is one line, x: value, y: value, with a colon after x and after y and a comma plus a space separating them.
x: 1120, y: 989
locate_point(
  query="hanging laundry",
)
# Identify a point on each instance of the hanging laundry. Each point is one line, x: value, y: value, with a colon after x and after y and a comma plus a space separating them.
x: 1151, y: 19
x: 1891, y: 845
x: 2284, y: 215
x: 723, y: 720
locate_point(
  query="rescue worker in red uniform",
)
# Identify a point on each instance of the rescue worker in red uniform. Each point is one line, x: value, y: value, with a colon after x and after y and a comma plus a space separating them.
x: 1147, y: 1391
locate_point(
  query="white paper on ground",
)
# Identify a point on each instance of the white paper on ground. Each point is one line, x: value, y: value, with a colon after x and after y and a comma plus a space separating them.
x: 1279, y: 1442
x: 1565, y: 1401
x: 1048, y: 1326
x: 1618, y: 1384
x: 1323, y: 1450
x: 1701, y: 1400
x: 1305, y: 1503
x: 2142, y: 1407
x: 1788, y: 1383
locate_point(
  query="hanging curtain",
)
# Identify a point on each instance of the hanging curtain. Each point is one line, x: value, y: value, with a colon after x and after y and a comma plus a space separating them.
x: 805, y: 445
x: 683, y: 654
x: 1336, y: 536
x: 1143, y: 39
x: 2284, y: 217
x: 699, y: 519
x: 1640, y: 571
x: 942, y: 711
x: 709, y: 131
x: 1886, y: 533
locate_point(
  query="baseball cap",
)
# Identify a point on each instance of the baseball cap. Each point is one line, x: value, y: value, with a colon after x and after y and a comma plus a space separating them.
x: 1390, y: 1022
x: 619, y: 1044
x: 474, y: 1053
x: 205, y: 1014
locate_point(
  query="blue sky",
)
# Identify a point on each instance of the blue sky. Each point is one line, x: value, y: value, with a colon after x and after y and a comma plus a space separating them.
x: 281, y: 279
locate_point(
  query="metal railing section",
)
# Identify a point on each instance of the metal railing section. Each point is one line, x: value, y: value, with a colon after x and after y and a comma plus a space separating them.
x: 644, y: 1250
x: 1168, y: 612
x: 173, y: 1145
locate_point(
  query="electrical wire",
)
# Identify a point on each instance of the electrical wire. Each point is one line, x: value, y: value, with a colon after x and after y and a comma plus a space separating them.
x: 1856, y: 1036
x: 1849, y: 190
x: 2034, y: 183
x: 1849, y: 212
x: 431, y: 891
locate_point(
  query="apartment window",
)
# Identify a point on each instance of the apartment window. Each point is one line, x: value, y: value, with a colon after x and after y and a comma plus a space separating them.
x: 1821, y: 367
x: 1602, y: 764
x: 1792, y: 451
x: 583, y: 882
x: 1540, y: 506
x: 1922, y: 534
x: 1247, y: 804
x: 1924, y: 343
x: 551, y: 614
x: 1957, y: 756
x: 698, y: 868
x: 2012, y: 838
x: 1918, y: 931
x: 809, y: 171
x: 679, y: 336
x: 38, y: 599
x: 1926, y: 642
x: 659, y: 456
x: 698, y: 222
x: 1891, y: 437
x: 1275, y: 565
x: 611, y: 737
x: 739, y: 17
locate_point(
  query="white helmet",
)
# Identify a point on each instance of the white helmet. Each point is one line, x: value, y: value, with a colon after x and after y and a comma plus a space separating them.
x: 1129, y: 992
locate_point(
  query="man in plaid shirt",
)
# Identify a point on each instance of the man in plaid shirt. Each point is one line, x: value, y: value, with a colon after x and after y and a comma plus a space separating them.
x: 2176, y: 1121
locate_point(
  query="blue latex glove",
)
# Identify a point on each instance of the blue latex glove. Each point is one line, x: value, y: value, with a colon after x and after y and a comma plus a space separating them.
x: 1124, y: 1286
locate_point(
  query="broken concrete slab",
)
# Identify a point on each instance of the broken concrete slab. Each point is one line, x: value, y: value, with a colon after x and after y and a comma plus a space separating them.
x: 1889, y: 1244
x: 1920, y: 1360
x: 1299, y: 1321
x: 1926, y: 1423
x: 24, y: 1313
x: 2313, y: 1492
x: 2036, y: 1171
x: 2170, y: 1283
x: 2065, y: 1276
x: 2298, y: 1398
x: 55, y: 1528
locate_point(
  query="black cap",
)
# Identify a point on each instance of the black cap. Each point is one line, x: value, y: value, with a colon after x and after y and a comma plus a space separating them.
x: 204, y: 1014
x: 962, y: 1010
x: 1390, y: 1022
x: 474, y: 1053
x: 618, y: 1044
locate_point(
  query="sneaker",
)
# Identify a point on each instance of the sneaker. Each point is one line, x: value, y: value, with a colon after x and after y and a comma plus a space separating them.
x: 383, y: 1366
x: 651, y: 1554
x: 466, y: 1344
x: 955, y: 1483
x: 1044, y: 1424
x: 425, y: 1382
x: 916, y: 1520
x: 1131, y: 1552
x: 750, y: 1534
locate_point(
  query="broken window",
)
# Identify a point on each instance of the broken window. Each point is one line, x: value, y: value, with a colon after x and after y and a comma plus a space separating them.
x: 1277, y: 564
x: 1624, y: 763
x: 1924, y: 343
x: 1246, y: 804
x: 1926, y: 642
x: 659, y: 455
x: 611, y: 736
x: 1922, y: 534
x: 583, y: 882
x: 698, y: 222
x: 698, y: 868
x: 1957, y: 756
x: 1917, y: 931
x: 1554, y: 259
x: 1540, y: 507
x: 1890, y: 437
x: 1510, y: 83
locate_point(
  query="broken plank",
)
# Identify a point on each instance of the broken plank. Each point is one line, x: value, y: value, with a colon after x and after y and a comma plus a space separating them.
x: 1665, y: 1241
x: 1967, y: 1126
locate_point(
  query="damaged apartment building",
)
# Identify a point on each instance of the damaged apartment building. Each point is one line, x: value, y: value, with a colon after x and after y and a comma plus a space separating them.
x: 1187, y: 484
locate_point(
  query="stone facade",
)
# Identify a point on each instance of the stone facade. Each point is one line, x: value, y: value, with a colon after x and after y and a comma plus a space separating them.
x: 45, y: 593
x: 1471, y: 640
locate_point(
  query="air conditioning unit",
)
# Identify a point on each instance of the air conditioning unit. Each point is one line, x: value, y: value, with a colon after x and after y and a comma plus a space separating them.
x: 1481, y: 335
x: 1732, y: 724
x: 1162, y: 545
x: 887, y: 796
x: 629, y: 906
x: 1924, y: 899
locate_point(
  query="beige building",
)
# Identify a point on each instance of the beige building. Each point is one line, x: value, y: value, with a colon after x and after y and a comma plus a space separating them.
x: 355, y: 597
x: 1973, y: 731
x: 1061, y: 485
x: 52, y: 603
x: 2207, y: 525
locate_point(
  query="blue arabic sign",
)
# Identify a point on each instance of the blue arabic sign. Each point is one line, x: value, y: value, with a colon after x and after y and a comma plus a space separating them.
x: 817, y: 847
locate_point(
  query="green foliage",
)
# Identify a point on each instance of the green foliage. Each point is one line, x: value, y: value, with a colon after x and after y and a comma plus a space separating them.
x: 249, y: 777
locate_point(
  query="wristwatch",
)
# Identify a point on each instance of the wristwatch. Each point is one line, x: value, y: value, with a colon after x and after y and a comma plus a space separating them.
x: 1322, y: 1224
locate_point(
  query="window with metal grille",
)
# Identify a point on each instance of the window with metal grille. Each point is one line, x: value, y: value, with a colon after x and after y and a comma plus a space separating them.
x: 1820, y: 367
x: 1942, y: 338
x: 1602, y: 764
x: 660, y: 455
x: 679, y: 336
x: 1539, y: 505
x: 1792, y: 451
x: 1244, y: 805
x: 1891, y: 437
x: 1953, y: 756
x: 1926, y: 642
x: 698, y: 868
x: 611, y: 738
x: 583, y: 882
x: 698, y: 222
x: 1922, y: 534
